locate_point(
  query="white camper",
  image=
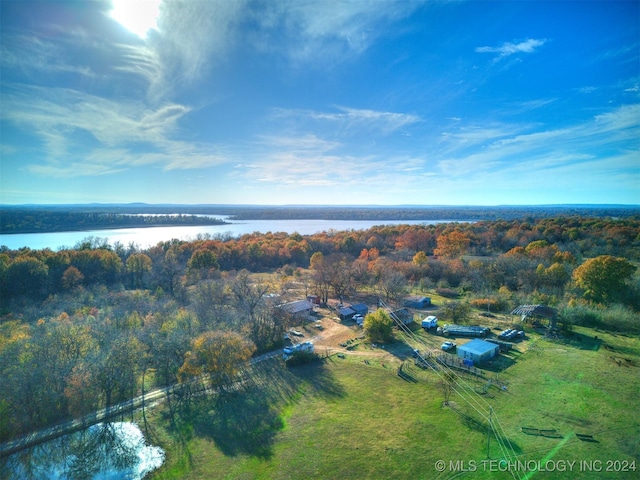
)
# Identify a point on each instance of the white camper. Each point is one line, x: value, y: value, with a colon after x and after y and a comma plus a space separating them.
x: 430, y: 322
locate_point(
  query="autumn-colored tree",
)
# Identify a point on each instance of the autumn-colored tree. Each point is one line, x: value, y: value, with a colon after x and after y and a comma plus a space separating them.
x: 219, y: 354
x: 378, y: 326
x: 452, y: 244
x: 603, y: 278
x: 557, y: 275
x: 26, y: 275
x: 203, y: 258
x: 541, y: 249
x: 72, y: 278
x: 138, y: 265
x: 316, y: 261
x: 420, y: 258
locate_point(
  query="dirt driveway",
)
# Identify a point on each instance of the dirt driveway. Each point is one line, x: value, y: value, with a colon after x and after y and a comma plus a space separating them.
x: 331, y: 335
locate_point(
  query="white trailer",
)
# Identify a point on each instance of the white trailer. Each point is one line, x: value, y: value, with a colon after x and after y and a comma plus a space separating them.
x: 430, y: 322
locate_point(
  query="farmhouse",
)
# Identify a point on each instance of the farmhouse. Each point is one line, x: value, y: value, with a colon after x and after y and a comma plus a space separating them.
x: 346, y: 313
x: 478, y: 350
x: 360, y: 308
x: 417, y: 302
x: 403, y: 315
x: 298, y: 308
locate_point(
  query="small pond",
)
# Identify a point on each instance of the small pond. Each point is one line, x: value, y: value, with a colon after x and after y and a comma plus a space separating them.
x: 107, y: 451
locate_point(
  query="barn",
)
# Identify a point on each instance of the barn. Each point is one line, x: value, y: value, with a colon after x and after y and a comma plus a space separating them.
x: 478, y: 350
x: 537, y: 313
x: 417, y: 302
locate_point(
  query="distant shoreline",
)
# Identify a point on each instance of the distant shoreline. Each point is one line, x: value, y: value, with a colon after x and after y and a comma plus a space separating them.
x: 26, y: 219
x: 19, y: 221
x: 111, y: 227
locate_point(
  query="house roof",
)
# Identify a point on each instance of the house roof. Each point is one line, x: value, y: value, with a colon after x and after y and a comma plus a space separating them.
x: 537, y: 310
x: 346, y: 311
x: 478, y: 347
x: 417, y: 298
x: 360, y: 307
x: 297, y: 306
x: 402, y: 313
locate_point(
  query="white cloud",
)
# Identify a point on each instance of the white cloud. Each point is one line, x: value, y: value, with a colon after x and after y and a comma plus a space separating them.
x: 518, y: 148
x: 355, y: 120
x: 87, y: 135
x: 193, y: 36
x: 80, y: 169
x: 508, y: 48
x: 334, y: 28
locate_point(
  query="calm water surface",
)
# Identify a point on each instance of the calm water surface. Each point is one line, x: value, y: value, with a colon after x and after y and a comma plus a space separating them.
x: 148, y: 237
x: 107, y: 451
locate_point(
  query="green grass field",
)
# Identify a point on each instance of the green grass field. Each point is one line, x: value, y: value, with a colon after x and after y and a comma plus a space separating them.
x: 354, y: 417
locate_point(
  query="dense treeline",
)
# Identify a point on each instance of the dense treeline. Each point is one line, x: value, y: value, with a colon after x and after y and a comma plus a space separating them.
x: 448, y: 213
x: 42, y: 220
x: 86, y: 327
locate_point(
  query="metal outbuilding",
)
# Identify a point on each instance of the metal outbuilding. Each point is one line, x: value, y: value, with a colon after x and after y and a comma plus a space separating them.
x: 478, y: 350
x: 417, y: 302
x: 536, y: 311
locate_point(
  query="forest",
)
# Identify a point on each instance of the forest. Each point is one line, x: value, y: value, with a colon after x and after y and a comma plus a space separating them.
x: 90, y: 326
x: 17, y: 220
x: 60, y: 218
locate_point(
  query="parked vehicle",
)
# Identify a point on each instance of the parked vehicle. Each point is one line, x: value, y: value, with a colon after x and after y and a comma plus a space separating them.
x: 510, y: 334
x: 447, y: 346
x: 301, y: 347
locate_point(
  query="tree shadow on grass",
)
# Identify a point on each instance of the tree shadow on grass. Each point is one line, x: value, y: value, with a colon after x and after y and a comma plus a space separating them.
x: 480, y: 426
x: 499, y: 363
x: 247, y: 420
x: 582, y: 341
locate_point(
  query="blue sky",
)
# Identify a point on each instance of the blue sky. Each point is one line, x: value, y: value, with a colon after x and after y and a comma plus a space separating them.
x: 320, y: 102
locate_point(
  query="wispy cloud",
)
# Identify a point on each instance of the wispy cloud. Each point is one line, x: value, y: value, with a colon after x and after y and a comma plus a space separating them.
x: 509, y: 147
x: 354, y: 120
x: 509, y: 48
x: 85, y: 135
x: 325, y: 31
x: 194, y: 36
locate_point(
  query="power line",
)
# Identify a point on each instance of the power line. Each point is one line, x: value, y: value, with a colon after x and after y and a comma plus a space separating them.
x: 470, y: 396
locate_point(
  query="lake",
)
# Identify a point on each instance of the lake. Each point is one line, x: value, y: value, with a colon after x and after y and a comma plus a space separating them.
x: 106, y: 451
x: 148, y: 237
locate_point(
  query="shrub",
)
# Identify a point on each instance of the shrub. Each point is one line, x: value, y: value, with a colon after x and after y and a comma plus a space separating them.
x: 300, y: 358
x: 491, y: 304
x: 447, y: 292
x: 617, y: 318
x: 455, y: 312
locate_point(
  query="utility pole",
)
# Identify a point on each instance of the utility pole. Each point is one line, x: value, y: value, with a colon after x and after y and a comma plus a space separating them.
x: 489, y: 430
